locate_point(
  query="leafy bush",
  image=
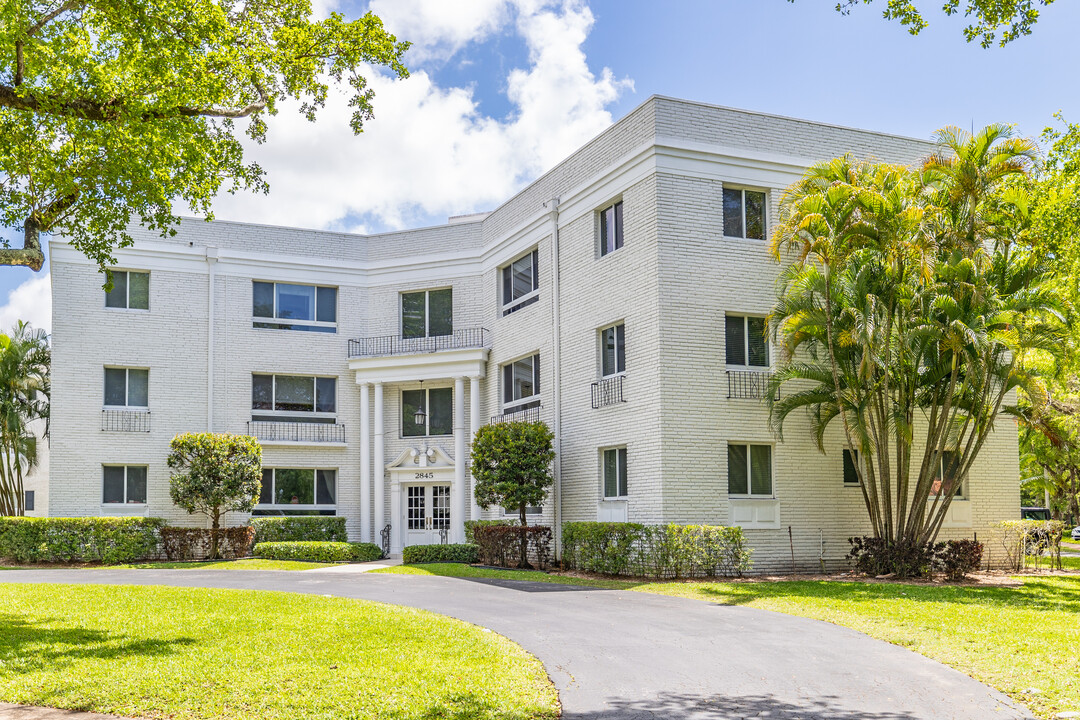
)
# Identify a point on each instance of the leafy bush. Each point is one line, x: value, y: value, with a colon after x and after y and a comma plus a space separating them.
x: 471, y: 525
x: 109, y: 540
x: 316, y: 551
x: 197, y: 543
x: 660, y: 551
x: 1020, y: 538
x: 461, y: 553
x: 876, y: 556
x: 957, y: 558
x: 501, y: 544
x: 299, y: 528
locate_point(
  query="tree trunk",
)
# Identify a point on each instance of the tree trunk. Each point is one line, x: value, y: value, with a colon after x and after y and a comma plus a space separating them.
x: 215, y: 521
x: 523, y: 560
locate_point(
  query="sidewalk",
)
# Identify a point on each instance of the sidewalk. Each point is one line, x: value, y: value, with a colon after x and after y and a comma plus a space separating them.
x: 28, y: 712
x: 353, y: 568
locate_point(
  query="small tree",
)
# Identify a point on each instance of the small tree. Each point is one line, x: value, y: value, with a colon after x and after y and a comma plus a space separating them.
x: 218, y: 473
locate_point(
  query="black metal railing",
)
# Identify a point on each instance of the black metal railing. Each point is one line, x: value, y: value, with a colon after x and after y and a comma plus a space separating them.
x: 749, y: 384
x: 296, y: 431
x: 528, y: 415
x: 397, y: 345
x: 608, y: 391
x: 125, y: 420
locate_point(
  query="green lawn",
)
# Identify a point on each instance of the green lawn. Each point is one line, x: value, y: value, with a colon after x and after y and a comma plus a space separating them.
x: 244, y: 564
x: 1012, y: 638
x: 184, y: 653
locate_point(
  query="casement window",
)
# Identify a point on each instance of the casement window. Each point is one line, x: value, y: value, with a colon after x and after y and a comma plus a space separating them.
x: 429, y: 313
x: 851, y: 472
x: 750, y: 470
x: 291, y: 487
x: 744, y: 214
x: 124, y: 485
x: 611, y: 228
x: 521, y: 384
x: 613, y: 350
x: 746, y: 342
x: 299, y: 398
x: 28, y: 501
x: 285, y: 306
x: 131, y: 290
x: 127, y: 387
x: 520, y: 283
x: 438, y: 404
x: 945, y: 476
x: 615, y: 473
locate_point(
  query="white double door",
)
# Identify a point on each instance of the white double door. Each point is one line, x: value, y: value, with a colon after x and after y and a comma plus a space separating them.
x: 427, y: 513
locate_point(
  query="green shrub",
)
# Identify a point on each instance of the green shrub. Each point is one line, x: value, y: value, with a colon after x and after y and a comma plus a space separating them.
x: 501, y: 544
x: 876, y: 556
x: 659, y: 551
x: 108, y: 540
x: 957, y: 558
x: 299, y: 528
x: 316, y: 551
x: 195, y: 543
x: 463, y: 553
x: 471, y: 525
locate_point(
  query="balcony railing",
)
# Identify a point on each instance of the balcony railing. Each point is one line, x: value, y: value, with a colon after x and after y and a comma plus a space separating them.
x: 531, y: 415
x: 298, y: 432
x: 397, y: 345
x: 749, y: 384
x: 608, y: 391
x: 125, y: 421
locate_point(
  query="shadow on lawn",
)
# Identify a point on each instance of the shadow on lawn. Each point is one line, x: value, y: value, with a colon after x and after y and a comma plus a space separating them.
x: 672, y: 706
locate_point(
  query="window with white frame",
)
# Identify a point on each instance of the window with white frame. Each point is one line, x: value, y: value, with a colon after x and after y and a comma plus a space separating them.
x: 851, y: 468
x: 124, y: 485
x: 438, y: 405
x: 520, y: 283
x: 946, y: 476
x: 298, y: 488
x: 614, y: 462
x: 297, y: 398
x: 521, y: 384
x: 746, y: 344
x: 613, y: 350
x: 127, y: 387
x: 750, y: 470
x: 744, y: 213
x: 131, y: 290
x: 288, y: 306
x: 529, y: 510
x: 429, y: 313
x: 611, y: 228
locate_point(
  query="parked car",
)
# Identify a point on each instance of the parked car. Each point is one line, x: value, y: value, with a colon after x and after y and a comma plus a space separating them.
x: 1076, y: 533
x: 1034, y: 513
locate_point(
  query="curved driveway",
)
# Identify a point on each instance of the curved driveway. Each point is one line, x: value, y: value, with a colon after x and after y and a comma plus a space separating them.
x: 629, y: 655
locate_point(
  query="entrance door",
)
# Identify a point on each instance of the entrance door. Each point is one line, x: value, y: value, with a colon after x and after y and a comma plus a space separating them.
x: 427, y: 512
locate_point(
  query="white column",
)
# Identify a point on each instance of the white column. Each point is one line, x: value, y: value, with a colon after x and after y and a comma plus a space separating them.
x: 365, y: 462
x: 395, y: 522
x: 380, y: 466
x: 474, y: 425
x: 457, y: 495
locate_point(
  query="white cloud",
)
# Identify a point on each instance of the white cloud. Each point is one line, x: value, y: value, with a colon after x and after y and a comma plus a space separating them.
x: 30, y: 302
x: 439, y: 29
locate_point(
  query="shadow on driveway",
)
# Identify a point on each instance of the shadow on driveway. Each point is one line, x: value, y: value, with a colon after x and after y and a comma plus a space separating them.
x: 719, y: 707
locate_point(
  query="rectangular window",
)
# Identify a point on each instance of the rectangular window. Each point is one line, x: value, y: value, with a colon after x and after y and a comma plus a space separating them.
x: 298, y: 487
x: 946, y: 475
x: 744, y: 214
x: 127, y: 387
x: 438, y: 405
x: 124, y: 484
x: 613, y: 350
x: 520, y: 280
x: 529, y: 510
x: 611, y: 228
x: 750, y: 470
x: 131, y: 290
x: 28, y: 501
x: 287, y: 306
x: 851, y: 461
x: 521, y: 384
x: 746, y: 344
x: 615, y: 473
x: 427, y: 314
x: 297, y: 397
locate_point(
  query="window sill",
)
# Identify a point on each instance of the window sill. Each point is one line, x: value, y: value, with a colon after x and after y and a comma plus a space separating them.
x: 521, y: 302
x: 744, y: 239
x: 124, y: 509
x: 755, y: 513
x: 299, y: 326
x: 144, y: 311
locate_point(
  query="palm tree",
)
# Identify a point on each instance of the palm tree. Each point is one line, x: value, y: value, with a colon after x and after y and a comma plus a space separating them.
x: 24, y: 399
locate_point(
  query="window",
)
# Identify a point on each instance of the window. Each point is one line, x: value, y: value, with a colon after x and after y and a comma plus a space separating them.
x: 300, y: 398
x: 298, y: 486
x: 945, y: 477
x: 127, y: 387
x: 521, y: 384
x: 744, y: 214
x: 613, y: 350
x: 611, y: 228
x: 851, y: 472
x: 131, y: 290
x: 615, y: 473
x: 529, y: 510
x: 285, y: 306
x: 124, y: 484
x: 520, y: 280
x: 438, y: 404
x: 746, y: 343
x: 28, y: 501
x: 427, y: 314
x: 749, y: 470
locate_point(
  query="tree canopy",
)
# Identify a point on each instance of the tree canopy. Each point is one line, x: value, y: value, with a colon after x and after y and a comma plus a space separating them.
x: 111, y: 111
x: 511, y: 465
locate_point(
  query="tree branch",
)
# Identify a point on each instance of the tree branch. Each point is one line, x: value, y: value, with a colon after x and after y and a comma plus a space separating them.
x: 46, y: 19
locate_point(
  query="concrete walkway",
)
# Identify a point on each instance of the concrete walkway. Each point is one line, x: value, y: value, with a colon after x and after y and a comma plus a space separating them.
x: 629, y: 655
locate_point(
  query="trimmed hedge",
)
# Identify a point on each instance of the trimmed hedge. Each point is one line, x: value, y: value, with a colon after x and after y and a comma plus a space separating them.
x: 194, y: 543
x: 501, y: 544
x: 317, y: 551
x: 299, y: 528
x: 109, y: 540
x: 471, y: 525
x: 460, y: 553
x: 657, y: 551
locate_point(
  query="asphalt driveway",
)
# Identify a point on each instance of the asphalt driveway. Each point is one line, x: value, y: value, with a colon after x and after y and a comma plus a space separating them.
x: 629, y: 655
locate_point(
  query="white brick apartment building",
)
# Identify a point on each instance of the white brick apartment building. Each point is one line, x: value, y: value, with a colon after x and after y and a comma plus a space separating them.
x: 619, y: 298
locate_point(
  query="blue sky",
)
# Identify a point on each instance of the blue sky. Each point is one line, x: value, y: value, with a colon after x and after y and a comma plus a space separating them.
x: 503, y: 89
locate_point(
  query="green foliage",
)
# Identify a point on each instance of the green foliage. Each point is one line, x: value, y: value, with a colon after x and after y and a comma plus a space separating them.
x: 300, y: 527
x: 109, y: 540
x: 471, y: 525
x: 459, y: 553
x: 318, y: 551
x: 181, y: 544
x: 1018, y: 539
x: 511, y: 465
x: 24, y: 398
x: 500, y: 544
x: 112, y: 110
x: 958, y: 558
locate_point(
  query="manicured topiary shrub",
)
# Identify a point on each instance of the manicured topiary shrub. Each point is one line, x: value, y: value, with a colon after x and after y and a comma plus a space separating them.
x: 501, y: 544
x: 462, y: 553
x: 108, y: 540
x: 316, y: 551
x: 195, y: 543
x: 299, y: 528
x: 471, y: 525
x: 660, y: 551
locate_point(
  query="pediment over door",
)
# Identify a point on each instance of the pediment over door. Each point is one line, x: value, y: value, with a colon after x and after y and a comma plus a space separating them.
x: 429, y: 458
